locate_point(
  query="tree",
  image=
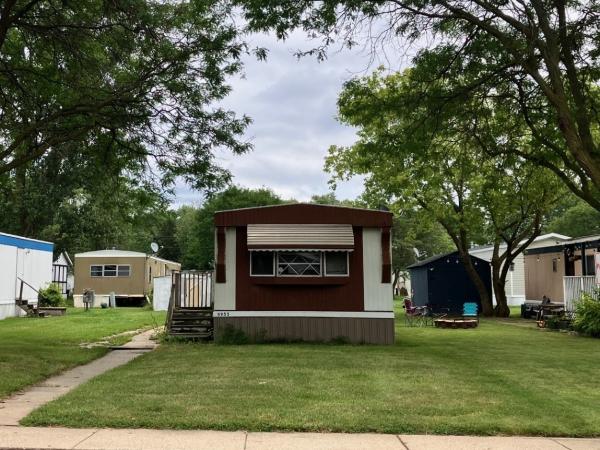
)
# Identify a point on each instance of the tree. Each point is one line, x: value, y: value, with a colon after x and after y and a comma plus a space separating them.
x: 415, y: 236
x: 537, y: 58
x: 439, y: 168
x: 196, y: 230
x: 141, y: 77
x: 574, y: 218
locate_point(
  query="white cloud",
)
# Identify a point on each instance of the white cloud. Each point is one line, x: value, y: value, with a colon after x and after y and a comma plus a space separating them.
x: 292, y: 103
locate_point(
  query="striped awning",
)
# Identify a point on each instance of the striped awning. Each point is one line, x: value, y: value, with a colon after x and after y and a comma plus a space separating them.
x: 302, y: 236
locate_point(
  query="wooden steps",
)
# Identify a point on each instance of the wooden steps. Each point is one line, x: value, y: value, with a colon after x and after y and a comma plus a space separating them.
x: 191, y: 323
x: 30, y: 309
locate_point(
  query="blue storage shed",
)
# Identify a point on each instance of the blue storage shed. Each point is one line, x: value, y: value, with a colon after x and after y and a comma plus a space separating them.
x: 442, y: 283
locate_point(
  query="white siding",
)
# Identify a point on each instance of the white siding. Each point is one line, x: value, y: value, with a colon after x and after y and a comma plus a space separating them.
x: 225, y: 292
x: 378, y: 295
x: 33, y: 266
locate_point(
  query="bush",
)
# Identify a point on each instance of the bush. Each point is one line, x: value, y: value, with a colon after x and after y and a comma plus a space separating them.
x: 232, y: 336
x: 51, y: 296
x: 587, y: 314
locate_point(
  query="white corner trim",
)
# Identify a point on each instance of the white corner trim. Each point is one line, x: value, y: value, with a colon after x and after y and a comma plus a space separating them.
x: 348, y: 314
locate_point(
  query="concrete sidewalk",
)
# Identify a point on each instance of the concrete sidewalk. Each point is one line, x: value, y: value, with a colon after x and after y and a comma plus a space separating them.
x: 126, y: 439
x: 20, y: 404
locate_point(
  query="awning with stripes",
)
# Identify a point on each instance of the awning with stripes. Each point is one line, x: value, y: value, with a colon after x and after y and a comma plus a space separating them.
x: 302, y: 236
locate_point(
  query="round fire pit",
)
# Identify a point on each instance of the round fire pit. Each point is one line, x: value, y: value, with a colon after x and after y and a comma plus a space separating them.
x: 455, y: 323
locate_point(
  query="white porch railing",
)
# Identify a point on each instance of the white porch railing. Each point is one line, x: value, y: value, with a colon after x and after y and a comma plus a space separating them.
x: 574, y: 287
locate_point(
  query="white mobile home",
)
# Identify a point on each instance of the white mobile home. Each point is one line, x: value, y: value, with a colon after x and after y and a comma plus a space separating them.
x: 24, y: 259
x: 515, y: 281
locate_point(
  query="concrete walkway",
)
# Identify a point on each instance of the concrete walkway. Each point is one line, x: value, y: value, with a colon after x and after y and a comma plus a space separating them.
x: 124, y: 439
x: 19, y: 405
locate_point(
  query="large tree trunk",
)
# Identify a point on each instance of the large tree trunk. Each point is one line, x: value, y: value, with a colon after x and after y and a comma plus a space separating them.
x: 487, y: 307
x: 499, y: 283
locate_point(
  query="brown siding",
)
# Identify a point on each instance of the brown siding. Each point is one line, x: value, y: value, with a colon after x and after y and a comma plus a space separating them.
x: 304, y: 214
x: 160, y: 268
x: 134, y: 284
x: 220, y: 269
x: 253, y: 294
x: 540, y: 280
x: 357, y: 330
x: 386, y: 269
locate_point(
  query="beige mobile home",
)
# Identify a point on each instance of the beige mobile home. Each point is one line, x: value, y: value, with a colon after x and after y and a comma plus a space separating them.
x: 128, y: 274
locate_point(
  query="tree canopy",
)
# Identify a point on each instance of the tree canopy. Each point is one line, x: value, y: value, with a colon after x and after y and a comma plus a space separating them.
x: 142, y: 78
x: 442, y: 169
x: 536, y: 59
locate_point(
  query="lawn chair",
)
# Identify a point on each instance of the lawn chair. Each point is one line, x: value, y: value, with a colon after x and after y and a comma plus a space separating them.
x: 414, y: 315
x: 470, y: 311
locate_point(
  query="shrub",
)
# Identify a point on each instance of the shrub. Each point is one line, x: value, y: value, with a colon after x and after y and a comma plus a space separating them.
x: 51, y: 296
x: 587, y: 314
x: 230, y: 335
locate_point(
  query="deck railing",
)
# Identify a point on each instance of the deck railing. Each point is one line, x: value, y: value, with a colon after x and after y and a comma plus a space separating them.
x: 574, y: 287
x: 193, y: 289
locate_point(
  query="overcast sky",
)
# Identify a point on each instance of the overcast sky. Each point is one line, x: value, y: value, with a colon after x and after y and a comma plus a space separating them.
x: 292, y: 103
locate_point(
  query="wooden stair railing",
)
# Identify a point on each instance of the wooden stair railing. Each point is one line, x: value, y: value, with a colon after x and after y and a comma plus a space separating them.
x: 186, y: 321
x: 30, y: 309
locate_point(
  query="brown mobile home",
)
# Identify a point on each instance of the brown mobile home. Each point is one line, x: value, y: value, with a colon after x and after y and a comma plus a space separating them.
x: 305, y: 271
x: 128, y: 274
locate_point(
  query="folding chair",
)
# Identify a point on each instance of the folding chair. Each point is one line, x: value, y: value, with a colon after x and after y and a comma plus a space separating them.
x: 414, y: 315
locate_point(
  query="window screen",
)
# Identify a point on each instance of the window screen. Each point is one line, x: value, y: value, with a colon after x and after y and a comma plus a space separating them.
x: 261, y: 263
x: 96, y: 271
x: 336, y: 263
x: 123, y: 271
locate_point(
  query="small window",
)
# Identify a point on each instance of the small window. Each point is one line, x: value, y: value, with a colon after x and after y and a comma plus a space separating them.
x: 110, y: 270
x: 590, y: 265
x: 262, y: 264
x: 123, y: 271
x: 150, y: 274
x: 96, y: 271
x: 554, y: 265
x: 299, y: 264
x: 336, y: 264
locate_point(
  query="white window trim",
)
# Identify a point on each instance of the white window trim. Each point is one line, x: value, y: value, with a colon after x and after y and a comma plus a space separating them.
x: 116, y: 275
x: 110, y: 276
x: 263, y: 275
x: 128, y: 270
x: 322, y: 265
x: 347, y: 274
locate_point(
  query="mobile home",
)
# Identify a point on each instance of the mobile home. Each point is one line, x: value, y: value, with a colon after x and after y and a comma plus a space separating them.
x: 304, y: 271
x: 22, y: 261
x: 128, y: 275
x: 515, y: 280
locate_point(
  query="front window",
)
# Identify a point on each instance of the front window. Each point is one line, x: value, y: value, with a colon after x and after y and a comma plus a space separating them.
x: 110, y: 270
x: 336, y: 264
x: 262, y: 263
x: 299, y: 264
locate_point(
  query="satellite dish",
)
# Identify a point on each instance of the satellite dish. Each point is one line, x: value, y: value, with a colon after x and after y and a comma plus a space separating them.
x: 154, y: 247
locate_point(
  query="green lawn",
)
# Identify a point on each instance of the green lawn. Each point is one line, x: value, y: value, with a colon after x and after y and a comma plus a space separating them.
x: 32, y: 349
x: 497, y: 379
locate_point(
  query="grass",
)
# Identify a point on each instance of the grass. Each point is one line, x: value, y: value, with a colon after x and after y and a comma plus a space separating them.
x: 496, y: 379
x: 32, y: 349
